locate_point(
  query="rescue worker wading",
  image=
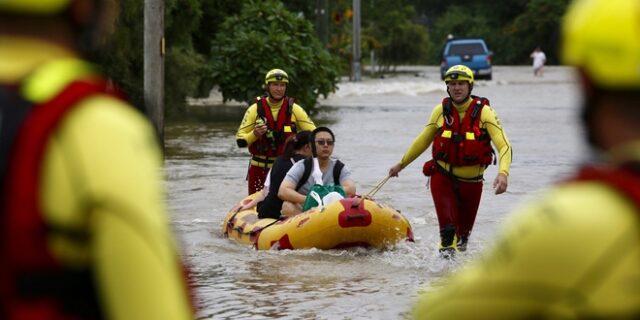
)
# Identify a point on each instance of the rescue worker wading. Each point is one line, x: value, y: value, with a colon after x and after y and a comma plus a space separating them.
x: 266, y: 126
x: 461, y: 128
x: 84, y: 230
x: 574, y: 251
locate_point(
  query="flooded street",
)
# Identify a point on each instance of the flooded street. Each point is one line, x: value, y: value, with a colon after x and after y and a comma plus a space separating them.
x: 374, y: 121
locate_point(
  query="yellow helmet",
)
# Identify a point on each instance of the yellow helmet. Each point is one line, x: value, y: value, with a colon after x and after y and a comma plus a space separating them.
x: 602, y: 37
x: 274, y: 75
x: 459, y: 72
x: 35, y: 7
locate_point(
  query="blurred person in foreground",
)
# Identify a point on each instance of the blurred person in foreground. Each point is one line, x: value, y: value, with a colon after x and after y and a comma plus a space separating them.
x: 267, y: 124
x: 85, y: 233
x: 575, y: 252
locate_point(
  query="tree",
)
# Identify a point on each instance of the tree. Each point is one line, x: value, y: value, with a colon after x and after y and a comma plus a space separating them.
x: 459, y: 22
x: 537, y: 25
x: 184, y: 66
x: 400, y: 40
x: 122, y: 58
x: 265, y: 36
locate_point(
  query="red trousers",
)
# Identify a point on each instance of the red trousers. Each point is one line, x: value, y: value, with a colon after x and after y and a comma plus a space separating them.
x: 256, y: 177
x: 456, y: 202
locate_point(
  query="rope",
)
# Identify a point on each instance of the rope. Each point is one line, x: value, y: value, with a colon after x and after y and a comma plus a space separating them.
x: 377, y: 187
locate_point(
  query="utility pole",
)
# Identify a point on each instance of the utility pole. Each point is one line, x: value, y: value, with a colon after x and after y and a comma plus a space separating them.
x: 356, y: 42
x: 154, y: 49
x: 322, y: 21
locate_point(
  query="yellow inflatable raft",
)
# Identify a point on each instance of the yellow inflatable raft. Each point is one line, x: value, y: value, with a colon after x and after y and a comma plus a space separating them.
x: 341, y: 224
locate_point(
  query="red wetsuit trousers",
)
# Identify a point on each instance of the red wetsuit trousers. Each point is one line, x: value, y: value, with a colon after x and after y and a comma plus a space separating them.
x: 456, y: 202
x: 256, y: 177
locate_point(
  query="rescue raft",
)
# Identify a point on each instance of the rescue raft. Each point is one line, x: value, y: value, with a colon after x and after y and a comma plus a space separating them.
x: 341, y: 224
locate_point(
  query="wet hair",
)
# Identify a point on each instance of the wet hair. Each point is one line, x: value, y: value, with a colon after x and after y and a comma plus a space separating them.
x: 313, y: 138
x: 295, y: 143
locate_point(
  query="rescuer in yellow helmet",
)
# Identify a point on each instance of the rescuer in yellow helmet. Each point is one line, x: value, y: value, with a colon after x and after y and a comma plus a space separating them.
x: 574, y: 253
x: 267, y: 124
x: 460, y: 131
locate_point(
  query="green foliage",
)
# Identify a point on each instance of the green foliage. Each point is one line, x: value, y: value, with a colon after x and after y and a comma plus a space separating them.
x: 265, y: 36
x: 121, y: 56
x: 407, y: 46
x: 397, y: 39
x: 511, y: 28
x: 232, y: 43
x: 459, y: 22
x: 214, y: 12
x: 122, y: 59
x: 537, y: 25
x: 184, y: 66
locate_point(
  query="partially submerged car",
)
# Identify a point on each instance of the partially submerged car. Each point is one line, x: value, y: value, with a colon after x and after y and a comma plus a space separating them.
x: 471, y: 52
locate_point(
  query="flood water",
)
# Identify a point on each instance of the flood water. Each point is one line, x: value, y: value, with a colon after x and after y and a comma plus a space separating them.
x: 374, y: 122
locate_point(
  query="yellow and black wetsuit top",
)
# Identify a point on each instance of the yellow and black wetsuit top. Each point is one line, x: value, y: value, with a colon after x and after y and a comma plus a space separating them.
x: 102, y: 176
x: 572, y: 254
x: 488, y: 121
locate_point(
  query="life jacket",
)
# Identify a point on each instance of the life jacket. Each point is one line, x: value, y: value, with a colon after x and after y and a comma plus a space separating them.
x: 624, y: 179
x: 33, y: 283
x: 271, y: 144
x: 308, y: 166
x: 463, y: 142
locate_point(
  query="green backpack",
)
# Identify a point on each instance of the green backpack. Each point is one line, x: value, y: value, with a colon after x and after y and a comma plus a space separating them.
x: 321, y: 194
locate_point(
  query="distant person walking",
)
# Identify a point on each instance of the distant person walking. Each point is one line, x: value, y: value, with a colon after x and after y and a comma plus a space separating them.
x: 539, y: 59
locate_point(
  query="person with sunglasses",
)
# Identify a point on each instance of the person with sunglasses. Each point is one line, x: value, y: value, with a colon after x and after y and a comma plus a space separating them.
x: 267, y: 124
x: 460, y: 130
x: 573, y: 252
x: 300, y: 179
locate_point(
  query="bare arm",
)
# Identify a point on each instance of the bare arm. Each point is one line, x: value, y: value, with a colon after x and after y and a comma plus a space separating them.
x: 349, y: 187
x: 500, y: 183
x: 287, y: 192
x: 259, y: 198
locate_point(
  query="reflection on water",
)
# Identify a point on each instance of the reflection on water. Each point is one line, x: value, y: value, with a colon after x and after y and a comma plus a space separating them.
x: 374, y: 122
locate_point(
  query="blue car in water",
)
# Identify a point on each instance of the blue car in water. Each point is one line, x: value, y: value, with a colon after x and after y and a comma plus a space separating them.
x: 471, y: 52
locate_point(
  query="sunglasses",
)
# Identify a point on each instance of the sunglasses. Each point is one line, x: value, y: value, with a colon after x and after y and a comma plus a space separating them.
x: 323, y: 142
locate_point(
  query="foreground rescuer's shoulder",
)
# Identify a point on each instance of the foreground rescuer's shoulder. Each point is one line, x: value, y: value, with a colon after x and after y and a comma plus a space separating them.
x: 579, y: 240
x: 571, y: 218
x: 573, y: 228
x: 103, y: 174
x: 114, y: 148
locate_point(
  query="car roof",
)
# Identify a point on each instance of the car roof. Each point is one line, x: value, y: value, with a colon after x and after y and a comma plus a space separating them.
x: 465, y: 40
